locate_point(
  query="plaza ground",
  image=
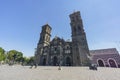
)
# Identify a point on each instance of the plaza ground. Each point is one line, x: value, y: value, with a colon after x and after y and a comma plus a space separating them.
x: 18, y: 72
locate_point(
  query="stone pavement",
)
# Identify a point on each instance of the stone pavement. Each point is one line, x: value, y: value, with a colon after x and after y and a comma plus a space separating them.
x: 18, y: 72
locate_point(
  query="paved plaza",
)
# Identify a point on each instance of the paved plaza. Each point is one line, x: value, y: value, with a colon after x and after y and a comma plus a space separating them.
x: 18, y: 72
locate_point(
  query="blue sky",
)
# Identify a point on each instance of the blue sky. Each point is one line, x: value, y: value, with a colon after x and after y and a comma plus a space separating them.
x: 21, y: 21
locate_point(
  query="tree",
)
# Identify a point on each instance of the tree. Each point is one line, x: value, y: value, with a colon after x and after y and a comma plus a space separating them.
x: 28, y: 60
x: 25, y: 61
x: 2, y: 54
x: 19, y: 57
x: 32, y: 58
x: 14, y: 55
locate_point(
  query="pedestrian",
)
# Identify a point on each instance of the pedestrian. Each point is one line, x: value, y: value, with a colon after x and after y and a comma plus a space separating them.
x: 31, y: 66
x: 35, y: 65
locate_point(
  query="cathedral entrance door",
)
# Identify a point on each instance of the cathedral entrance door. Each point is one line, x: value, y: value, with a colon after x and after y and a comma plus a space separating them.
x: 100, y: 63
x: 55, y: 61
x: 112, y: 63
x: 44, y: 61
x: 68, y: 61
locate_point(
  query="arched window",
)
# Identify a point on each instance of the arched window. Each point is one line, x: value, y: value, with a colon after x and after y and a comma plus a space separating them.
x: 74, y: 29
x: 112, y: 63
x: 101, y: 63
x: 79, y: 28
x: 67, y: 47
x: 77, y: 18
x: 73, y: 19
x: 55, y: 48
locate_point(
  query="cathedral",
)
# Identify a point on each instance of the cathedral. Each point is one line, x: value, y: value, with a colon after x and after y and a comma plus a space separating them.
x: 72, y: 53
x: 66, y: 53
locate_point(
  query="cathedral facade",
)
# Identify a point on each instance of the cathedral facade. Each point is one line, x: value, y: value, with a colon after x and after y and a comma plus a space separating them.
x: 60, y: 52
x: 72, y: 53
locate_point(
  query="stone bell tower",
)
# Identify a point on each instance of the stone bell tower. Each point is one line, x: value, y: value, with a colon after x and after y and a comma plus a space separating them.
x: 80, y: 48
x: 43, y: 41
x: 45, y: 35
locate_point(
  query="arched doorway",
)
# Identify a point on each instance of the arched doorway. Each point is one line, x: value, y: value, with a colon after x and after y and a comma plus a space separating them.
x: 55, y: 61
x: 101, y: 63
x: 68, y: 61
x: 44, y: 61
x: 112, y: 63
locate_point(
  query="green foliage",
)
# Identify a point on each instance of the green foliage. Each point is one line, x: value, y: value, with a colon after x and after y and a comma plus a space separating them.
x: 15, y: 55
x: 2, y: 54
x: 28, y: 61
x: 32, y: 59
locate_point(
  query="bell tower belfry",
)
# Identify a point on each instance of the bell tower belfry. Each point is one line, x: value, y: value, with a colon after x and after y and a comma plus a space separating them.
x: 45, y: 35
x: 80, y: 48
x: 43, y: 42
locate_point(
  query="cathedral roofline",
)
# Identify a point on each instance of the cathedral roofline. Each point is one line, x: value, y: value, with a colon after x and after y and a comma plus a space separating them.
x: 75, y: 13
x: 47, y: 25
x: 104, y: 51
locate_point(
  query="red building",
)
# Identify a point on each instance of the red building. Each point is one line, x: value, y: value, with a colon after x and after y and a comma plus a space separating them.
x: 106, y: 57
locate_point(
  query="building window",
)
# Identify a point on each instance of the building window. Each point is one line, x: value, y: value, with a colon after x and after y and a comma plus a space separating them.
x: 67, y: 47
x: 67, y: 51
x: 101, y: 63
x: 79, y: 28
x: 74, y: 29
x: 73, y: 19
x: 77, y: 18
x: 55, y: 48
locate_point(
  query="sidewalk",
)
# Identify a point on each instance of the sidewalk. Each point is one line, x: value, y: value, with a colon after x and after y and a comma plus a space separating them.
x: 18, y: 72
